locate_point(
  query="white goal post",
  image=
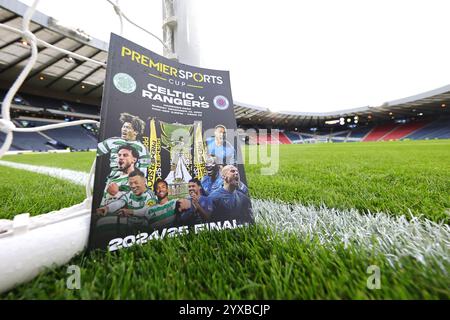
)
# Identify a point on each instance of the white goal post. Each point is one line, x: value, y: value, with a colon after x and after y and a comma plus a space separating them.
x: 29, y: 245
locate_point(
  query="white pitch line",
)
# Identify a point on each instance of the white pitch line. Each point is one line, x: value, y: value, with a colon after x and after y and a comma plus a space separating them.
x: 393, y: 236
x: 75, y: 177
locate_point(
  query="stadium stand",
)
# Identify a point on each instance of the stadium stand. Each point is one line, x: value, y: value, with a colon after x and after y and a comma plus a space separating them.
x: 439, y: 129
x: 379, y: 132
x: 339, y: 136
x: 358, y: 134
x: 66, y: 91
x: 266, y: 139
x: 416, y: 130
x: 403, y: 130
x: 53, y: 104
x: 294, y: 137
x: 284, y: 138
x: 40, y: 110
x: 28, y: 141
x: 76, y: 137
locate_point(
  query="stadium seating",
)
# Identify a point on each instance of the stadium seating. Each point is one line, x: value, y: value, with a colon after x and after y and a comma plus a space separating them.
x: 267, y: 139
x: 379, y: 132
x: 42, y: 102
x: 54, y: 104
x: 403, y: 130
x: 294, y: 137
x: 284, y: 138
x: 2, y: 139
x: 359, y: 133
x: 28, y: 141
x: 439, y: 129
x: 79, y: 138
x: 75, y: 137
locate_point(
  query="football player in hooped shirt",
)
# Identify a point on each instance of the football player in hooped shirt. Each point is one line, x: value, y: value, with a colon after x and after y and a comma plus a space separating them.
x: 109, y: 222
x: 132, y: 128
x: 228, y: 202
x: 165, y: 213
x: 139, y: 197
x: 117, y: 185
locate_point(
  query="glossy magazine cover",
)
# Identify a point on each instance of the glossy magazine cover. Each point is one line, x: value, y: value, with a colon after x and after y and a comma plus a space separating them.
x: 168, y: 158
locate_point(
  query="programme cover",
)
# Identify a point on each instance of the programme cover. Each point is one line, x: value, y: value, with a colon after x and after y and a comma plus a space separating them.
x: 168, y: 157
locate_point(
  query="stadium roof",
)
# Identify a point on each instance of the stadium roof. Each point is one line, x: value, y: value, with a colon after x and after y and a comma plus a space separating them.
x: 425, y: 104
x: 55, y: 75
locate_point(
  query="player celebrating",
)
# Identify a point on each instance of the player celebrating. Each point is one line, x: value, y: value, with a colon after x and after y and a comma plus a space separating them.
x: 198, y: 212
x: 165, y: 213
x: 139, y: 197
x: 228, y: 202
x: 117, y: 181
x: 213, y: 180
x: 132, y: 128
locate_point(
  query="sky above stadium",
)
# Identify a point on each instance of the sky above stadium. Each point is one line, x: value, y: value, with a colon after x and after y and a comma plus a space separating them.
x: 287, y: 55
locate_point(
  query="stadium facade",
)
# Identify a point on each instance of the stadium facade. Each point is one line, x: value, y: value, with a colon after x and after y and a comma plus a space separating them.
x: 62, y: 88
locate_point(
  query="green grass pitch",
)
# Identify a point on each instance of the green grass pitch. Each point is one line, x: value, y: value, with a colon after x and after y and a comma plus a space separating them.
x: 409, y: 177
